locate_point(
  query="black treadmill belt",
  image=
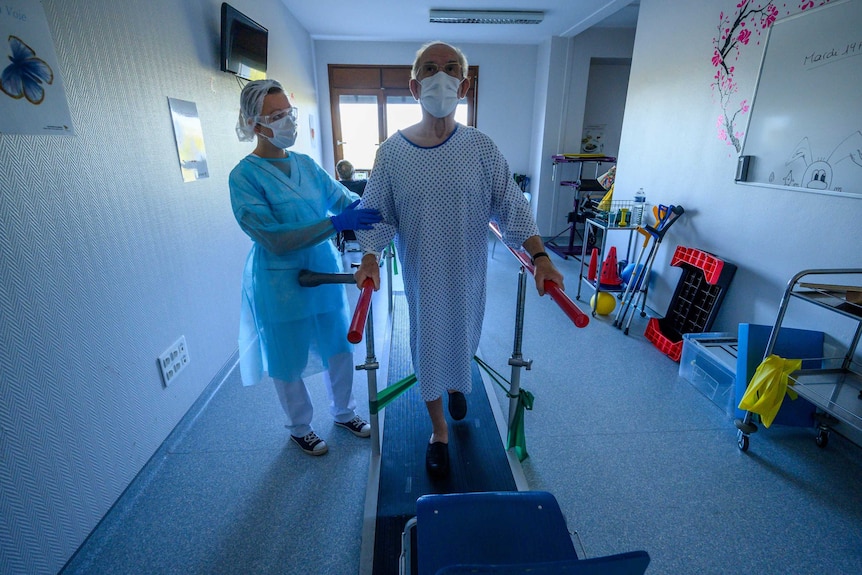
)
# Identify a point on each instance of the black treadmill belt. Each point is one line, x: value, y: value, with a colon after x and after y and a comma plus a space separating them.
x: 477, y: 459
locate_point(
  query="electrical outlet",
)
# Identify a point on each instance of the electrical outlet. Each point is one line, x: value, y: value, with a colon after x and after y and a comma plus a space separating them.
x: 173, y: 360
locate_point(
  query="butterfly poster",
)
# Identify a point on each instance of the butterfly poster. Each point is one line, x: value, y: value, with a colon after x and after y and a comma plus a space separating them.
x: 32, y: 95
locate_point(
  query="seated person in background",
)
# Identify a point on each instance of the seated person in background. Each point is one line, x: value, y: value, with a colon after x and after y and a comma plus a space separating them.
x: 345, y: 171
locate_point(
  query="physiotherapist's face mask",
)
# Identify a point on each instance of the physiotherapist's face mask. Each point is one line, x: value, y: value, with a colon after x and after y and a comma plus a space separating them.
x: 439, y: 94
x: 283, y: 132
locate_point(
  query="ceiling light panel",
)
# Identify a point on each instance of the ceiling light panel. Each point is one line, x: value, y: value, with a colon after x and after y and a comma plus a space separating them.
x: 485, y: 17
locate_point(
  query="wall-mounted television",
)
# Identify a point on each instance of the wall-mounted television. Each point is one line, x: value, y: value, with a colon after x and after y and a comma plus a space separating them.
x: 243, y: 44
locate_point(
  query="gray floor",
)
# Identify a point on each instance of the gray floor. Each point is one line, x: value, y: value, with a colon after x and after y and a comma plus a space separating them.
x: 636, y: 456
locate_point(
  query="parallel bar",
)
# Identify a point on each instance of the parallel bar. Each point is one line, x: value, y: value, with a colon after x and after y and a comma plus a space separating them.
x: 573, y: 312
x: 360, y: 314
x: 309, y: 278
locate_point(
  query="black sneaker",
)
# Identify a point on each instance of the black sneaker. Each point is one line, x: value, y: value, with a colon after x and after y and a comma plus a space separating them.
x: 457, y: 405
x: 357, y: 426
x: 311, y: 444
x: 437, y: 459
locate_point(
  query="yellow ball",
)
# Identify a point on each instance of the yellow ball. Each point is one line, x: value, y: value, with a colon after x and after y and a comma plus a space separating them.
x: 606, y: 304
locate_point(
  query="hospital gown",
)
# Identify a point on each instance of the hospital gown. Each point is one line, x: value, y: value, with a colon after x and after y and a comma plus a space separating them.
x: 436, y: 202
x: 287, y: 331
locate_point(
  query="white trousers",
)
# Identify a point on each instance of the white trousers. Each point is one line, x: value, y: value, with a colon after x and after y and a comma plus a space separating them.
x: 296, y: 401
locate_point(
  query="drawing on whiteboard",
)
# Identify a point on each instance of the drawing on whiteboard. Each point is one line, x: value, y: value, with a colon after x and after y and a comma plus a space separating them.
x: 818, y: 174
x: 734, y: 32
x: 737, y: 29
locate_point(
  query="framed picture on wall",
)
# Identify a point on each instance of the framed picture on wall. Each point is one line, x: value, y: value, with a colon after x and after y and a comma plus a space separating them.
x: 32, y: 95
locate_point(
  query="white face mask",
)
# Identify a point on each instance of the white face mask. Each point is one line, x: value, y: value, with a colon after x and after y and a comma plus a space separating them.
x: 283, y: 132
x: 439, y: 94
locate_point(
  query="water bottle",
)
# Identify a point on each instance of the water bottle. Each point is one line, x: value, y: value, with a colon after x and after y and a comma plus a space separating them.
x: 638, y: 208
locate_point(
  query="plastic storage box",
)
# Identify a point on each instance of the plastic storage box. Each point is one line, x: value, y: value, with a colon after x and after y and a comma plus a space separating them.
x: 720, y: 365
x: 708, y: 362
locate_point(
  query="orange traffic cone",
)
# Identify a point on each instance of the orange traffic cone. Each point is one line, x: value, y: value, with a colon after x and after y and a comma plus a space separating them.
x: 594, y: 263
x: 610, y: 274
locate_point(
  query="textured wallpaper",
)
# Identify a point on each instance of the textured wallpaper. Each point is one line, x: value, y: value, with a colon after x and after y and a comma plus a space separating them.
x: 106, y: 258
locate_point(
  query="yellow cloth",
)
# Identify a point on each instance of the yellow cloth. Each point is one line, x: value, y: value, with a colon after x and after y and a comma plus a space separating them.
x: 766, y: 389
x: 605, y: 204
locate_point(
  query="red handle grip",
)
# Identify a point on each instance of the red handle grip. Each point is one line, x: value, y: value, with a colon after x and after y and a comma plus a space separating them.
x: 360, y: 314
x: 569, y: 308
x: 573, y: 312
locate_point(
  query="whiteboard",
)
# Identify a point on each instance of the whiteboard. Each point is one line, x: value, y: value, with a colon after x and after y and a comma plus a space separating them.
x: 805, y: 127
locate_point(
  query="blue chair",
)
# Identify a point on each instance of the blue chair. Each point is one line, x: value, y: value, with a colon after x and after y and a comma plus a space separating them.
x: 509, y: 533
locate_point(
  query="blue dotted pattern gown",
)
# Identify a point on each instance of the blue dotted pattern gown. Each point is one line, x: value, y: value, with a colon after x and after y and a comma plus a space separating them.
x: 436, y: 203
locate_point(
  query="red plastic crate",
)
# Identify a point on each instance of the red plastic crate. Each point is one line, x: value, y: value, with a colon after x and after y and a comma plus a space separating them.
x: 670, y: 348
x: 709, y: 264
x: 695, y: 302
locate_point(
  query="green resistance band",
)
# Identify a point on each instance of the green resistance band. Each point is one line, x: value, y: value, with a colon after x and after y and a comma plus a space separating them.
x: 394, y: 259
x: 517, y: 437
x: 391, y: 393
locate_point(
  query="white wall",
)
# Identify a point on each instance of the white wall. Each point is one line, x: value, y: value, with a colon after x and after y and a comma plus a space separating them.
x: 107, y: 257
x: 507, y: 76
x: 568, y: 65
x: 607, y: 88
x: 550, y: 118
x: 670, y: 147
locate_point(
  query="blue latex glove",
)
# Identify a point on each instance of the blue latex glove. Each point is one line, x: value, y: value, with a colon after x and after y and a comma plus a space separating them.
x: 353, y: 219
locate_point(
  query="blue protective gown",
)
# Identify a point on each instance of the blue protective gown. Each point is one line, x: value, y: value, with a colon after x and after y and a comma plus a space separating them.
x: 437, y: 202
x: 288, y: 331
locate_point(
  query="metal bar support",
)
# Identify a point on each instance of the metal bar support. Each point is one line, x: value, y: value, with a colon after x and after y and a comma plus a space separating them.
x: 517, y: 360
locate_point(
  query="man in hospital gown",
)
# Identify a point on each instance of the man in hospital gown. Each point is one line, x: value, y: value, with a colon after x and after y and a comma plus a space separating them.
x: 291, y: 208
x: 437, y: 185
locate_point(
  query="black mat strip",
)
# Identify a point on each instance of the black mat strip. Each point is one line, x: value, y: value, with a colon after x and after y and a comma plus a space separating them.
x: 478, y: 461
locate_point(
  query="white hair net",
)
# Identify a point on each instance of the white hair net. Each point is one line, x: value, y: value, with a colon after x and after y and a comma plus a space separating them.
x: 250, y: 106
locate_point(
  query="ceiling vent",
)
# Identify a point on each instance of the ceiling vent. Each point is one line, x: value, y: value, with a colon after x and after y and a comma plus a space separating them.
x: 485, y: 17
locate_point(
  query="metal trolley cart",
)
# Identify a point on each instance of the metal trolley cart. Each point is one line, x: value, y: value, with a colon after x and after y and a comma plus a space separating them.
x: 835, y: 388
x: 599, y: 227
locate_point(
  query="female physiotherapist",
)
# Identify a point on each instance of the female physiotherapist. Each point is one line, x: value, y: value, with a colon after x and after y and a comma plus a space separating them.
x: 290, y: 207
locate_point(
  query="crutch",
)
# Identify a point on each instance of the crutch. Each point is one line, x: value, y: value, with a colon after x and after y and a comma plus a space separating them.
x: 638, y: 273
x: 629, y: 292
x: 667, y: 216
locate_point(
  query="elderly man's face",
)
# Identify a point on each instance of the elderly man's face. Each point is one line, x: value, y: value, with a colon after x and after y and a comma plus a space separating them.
x: 436, y: 58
